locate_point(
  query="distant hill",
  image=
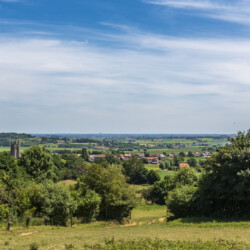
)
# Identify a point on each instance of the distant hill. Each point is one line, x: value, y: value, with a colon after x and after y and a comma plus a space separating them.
x: 5, y: 138
x: 74, y: 136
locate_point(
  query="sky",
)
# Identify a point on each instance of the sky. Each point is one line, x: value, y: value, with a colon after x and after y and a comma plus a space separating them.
x: 125, y: 66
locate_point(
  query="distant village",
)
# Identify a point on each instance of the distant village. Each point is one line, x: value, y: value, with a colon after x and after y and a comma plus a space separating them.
x: 151, y: 159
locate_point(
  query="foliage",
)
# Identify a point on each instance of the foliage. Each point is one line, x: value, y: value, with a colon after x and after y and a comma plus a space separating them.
x: 74, y: 166
x: 38, y: 163
x: 111, y: 159
x: 166, y: 244
x: 34, y: 246
x: 85, y: 154
x: 224, y: 189
x: 117, y: 199
x: 135, y: 171
x: 178, y: 159
x: 193, y: 162
x: 167, y: 164
x: 58, y: 203
x: 180, y: 201
x: 88, y: 204
x: 8, y: 163
x: 159, y: 191
x: 152, y: 177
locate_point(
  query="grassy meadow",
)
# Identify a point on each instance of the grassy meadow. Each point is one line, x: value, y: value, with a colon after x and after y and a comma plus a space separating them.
x: 147, y: 221
x: 161, y: 172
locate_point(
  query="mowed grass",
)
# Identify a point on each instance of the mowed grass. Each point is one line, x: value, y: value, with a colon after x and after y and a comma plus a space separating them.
x: 147, y: 222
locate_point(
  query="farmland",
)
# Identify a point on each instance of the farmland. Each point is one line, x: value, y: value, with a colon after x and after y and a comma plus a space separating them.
x: 125, y: 143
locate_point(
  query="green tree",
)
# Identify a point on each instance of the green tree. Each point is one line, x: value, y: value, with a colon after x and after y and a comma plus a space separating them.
x: 88, y: 205
x: 177, y: 160
x: 160, y: 189
x: 38, y: 163
x: 182, y: 154
x: 180, y: 201
x: 162, y: 165
x: 190, y: 154
x: 153, y: 177
x: 74, y: 166
x: 224, y: 188
x: 8, y: 163
x: 58, y: 204
x: 136, y: 172
x: 193, y: 162
x: 85, y: 154
x: 111, y: 159
x: 117, y: 199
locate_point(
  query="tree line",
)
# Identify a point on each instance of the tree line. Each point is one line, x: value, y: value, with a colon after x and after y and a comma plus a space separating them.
x: 222, y: 190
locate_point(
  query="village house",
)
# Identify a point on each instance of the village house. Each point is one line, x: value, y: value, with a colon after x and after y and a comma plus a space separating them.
x: 162, y: 156
x: 127, y: 156
x: 206, y: 154
x: 184, y: 165
x: 97, y: 156
x: 152, y: 160
x: 196, y: 154
x: 140, y: 155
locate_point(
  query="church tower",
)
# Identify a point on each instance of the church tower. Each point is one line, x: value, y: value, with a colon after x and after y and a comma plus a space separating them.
x: 15, y: 149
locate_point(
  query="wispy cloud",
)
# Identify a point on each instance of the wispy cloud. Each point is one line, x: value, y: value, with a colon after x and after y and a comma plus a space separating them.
x: 186, y: 4
x: 85, y: 87
x: 10, y: 1
x: 233, y: 11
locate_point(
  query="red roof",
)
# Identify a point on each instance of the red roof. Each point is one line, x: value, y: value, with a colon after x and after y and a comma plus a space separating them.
x: 100, y: 156
x: 181, y: 165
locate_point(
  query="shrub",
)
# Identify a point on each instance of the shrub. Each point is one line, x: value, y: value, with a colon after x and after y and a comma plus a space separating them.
x: 117, y: 199
x: 88, y: 206
x: 180, y: 201
x: 34, y: 246
x: 152, y: 177
x: 58, y: 204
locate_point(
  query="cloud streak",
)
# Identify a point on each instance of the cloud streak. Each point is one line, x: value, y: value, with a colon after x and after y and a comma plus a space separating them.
x: 232, y: 11
x: 70, y: 86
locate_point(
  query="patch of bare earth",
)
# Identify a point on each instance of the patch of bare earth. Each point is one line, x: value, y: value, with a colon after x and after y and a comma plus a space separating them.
x: 129, y: 224
x: 163, y: 219
x: 24, y: 234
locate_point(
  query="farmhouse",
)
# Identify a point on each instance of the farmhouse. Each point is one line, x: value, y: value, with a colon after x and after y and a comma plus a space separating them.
x: 152, y: 160
x: 93, y: 157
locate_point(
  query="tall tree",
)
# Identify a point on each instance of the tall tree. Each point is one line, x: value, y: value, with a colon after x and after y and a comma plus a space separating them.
x: 38, y: 163
x: 117, y: 199
x: 224, y: 189
x: 85, y: 154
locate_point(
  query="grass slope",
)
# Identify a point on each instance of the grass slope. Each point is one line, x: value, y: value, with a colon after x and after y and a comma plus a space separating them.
x: 147, y: 222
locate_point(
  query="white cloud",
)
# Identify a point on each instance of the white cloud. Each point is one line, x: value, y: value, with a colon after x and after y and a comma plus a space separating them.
x: 9, y: 1
x: 233, y: 11
x: 186, y: 4
x: 157, y: 84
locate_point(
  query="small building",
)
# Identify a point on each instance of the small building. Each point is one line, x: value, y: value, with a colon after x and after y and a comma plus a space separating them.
x: 152, y: 160
x: 184, y: 165
x: 98, y: 156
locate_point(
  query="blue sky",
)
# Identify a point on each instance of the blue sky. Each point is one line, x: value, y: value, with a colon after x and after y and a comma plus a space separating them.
x: 141, y: 66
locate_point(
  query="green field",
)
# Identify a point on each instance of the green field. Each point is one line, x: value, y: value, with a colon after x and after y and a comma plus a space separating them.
x: 147, y: 222
x: 3, y: 149
x: 153, y: 146
x: 162, y: 173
